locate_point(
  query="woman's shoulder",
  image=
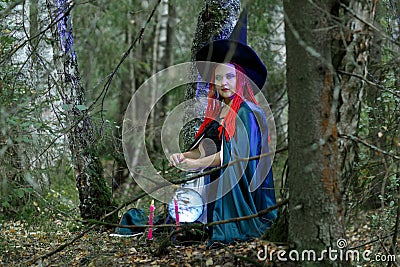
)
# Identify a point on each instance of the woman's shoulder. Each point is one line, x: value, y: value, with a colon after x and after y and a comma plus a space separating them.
x: 248, y: 108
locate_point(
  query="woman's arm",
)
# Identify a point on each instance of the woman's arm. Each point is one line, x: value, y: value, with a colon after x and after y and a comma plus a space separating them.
x: 192, y: 154
x: 195, y: 159
x: 177, y: 158
x: 202, y: 163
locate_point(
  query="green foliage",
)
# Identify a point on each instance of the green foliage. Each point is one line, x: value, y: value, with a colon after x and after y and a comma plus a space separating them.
x: 376, y: 185
x: 14, y: 196
x: 385, y: 219
x: 17, y: 121
x: 32, y: 155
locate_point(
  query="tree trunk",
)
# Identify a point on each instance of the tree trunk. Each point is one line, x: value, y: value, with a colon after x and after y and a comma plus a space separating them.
x: 128, y: 88
x: 376, y: 115
x: 94, y: 194
x: 216, y: 21
x: 315, y: 207
x: 33, y: 31
x: 160, y: 59
x: 169, y: 53
x: 350, y: 56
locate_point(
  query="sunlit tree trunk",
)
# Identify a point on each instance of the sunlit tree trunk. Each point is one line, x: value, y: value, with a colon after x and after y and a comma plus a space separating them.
x: 169, y: 51
x: 94, y: 194
x: 315, y: 200
x: 161, y: 52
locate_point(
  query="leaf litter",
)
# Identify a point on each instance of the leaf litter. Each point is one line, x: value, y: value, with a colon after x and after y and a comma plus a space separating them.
x: 21, y: 242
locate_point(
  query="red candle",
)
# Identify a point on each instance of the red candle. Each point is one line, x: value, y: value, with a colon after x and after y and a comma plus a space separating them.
x: 176, y: 212
x: 150, y: 235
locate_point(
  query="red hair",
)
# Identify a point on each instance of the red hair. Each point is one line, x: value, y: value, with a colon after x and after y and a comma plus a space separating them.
x: 243, y: 92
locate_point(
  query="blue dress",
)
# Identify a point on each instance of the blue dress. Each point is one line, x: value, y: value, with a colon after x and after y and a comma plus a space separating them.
x: 246, y: 187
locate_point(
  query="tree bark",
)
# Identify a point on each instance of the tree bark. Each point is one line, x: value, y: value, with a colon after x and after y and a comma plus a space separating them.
x: 216, y: 21
x: 350, y: 55
x: 159, y: 61
x: 315, y: 206
x: 34, y: 30
x: 94, y: 194
x: 376, y: 114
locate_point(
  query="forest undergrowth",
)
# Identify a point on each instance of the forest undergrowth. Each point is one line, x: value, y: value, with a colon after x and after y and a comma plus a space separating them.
x: 24, y: 242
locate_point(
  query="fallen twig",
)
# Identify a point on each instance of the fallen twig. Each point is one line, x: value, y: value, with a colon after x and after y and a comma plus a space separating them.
x: 60, y: 248
x: 370, y: 242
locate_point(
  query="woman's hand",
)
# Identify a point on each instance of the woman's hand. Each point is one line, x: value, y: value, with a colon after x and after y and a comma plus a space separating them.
x: 175, y: 159
x: 188, y: 163
x: 179, y: 160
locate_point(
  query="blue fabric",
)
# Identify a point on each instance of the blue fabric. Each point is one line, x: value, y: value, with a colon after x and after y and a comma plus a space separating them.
x: 132, y: 217
x: 135, y: 217
x: 250, y: 192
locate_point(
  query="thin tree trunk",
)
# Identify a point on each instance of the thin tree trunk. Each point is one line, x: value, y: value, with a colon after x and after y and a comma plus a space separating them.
x: 153, y: 93
x: 376, y: 116
x: 169, y: 53
x: 128, y: 88
x: 34, y: 30
x: 315, y: 207
x: 136, y: 56
x: 162, y: 37
x: 159, y: 55
x: 94, y: 194
x: 350, y: 56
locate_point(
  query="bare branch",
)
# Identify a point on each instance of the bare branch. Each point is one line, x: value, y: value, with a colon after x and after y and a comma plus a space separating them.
x: 370, y: 25
x: 236, y: 219
x: 18, y: 47
x: 62, y: 247
x: 356, y: 139
x: 138, y: 38
x: 230, y: 164
x: 369, y: 82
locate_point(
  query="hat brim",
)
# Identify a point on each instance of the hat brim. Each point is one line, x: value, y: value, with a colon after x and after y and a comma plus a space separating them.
x: 224, y: 51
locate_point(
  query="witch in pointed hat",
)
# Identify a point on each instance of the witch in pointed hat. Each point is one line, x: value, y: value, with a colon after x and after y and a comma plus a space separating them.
x: 234, y: 128
x: 234, y: 50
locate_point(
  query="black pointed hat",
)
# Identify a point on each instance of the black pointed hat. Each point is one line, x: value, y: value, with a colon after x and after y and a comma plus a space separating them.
x: 236, y: 50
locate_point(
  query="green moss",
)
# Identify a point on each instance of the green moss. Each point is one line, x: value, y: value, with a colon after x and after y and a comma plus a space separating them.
x: 279, y: 231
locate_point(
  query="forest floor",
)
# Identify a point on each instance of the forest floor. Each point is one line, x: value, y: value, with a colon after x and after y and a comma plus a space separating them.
x: 22, y: 245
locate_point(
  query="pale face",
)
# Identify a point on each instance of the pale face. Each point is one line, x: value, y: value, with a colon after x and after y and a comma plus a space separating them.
x: 225, y: 81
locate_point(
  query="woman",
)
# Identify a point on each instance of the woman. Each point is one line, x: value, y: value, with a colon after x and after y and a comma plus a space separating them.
x: 234, y: 127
